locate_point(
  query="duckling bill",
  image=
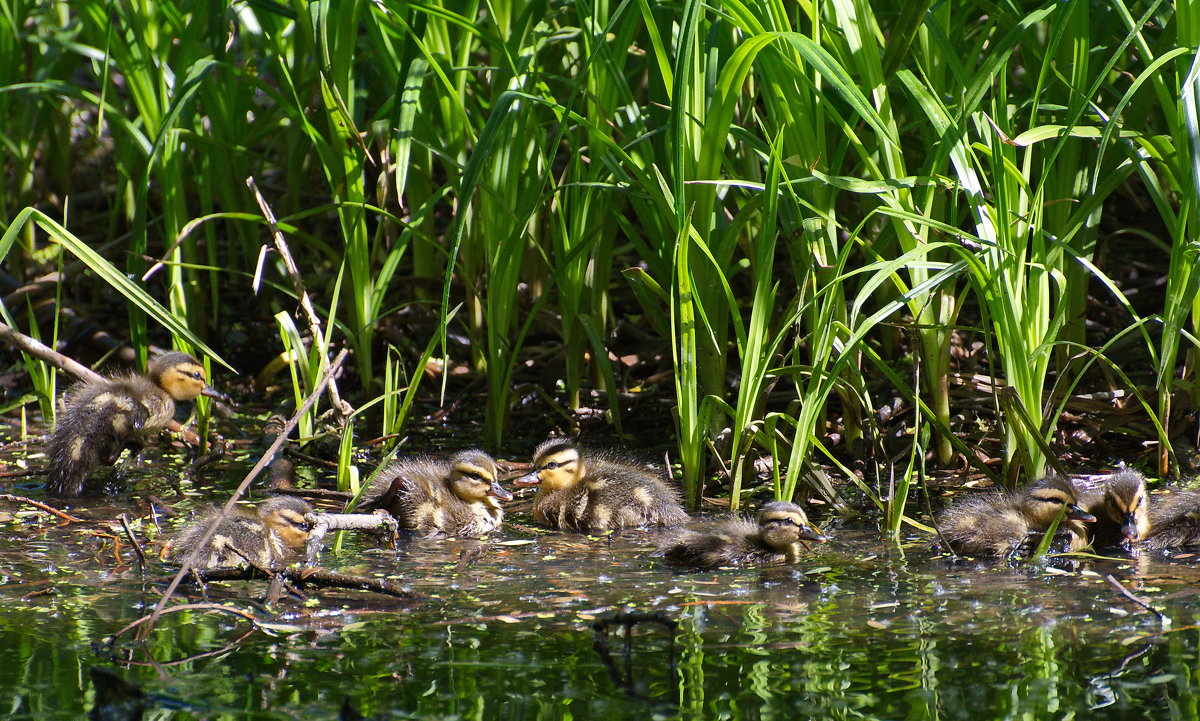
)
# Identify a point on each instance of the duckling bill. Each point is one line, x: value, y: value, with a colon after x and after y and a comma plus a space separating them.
x: 103, y: 418
x: 1007, y: 523
x: 590, y: 491
x: 457, y: 496
x: 776, y: 537
x: 270, y: 536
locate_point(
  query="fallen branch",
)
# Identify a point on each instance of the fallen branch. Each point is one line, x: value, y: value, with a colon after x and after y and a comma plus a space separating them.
x: 325, y: 522
x: 318, y: 577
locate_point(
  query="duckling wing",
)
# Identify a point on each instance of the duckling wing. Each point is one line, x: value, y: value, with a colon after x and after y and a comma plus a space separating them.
x: 626, y: 498
x: 563, y: 508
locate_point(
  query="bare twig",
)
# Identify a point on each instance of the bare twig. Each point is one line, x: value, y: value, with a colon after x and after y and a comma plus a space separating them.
x: 343, y: 408
x: 16, y: 339
x: 137, y: 547
x: 39, y: 505
x: 1163, y: 620
x: 151, y: 618
x: 325, y: 522
x: 190, y: 560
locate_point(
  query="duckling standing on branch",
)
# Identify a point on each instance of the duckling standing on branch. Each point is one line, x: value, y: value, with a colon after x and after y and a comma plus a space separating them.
x: 271, y: 536
x: 457, y: 496
x: 777, y: 537
x: 589, y: 491
x: 103, y: 418
x: 1121, y: 507
x: 1010, y: 522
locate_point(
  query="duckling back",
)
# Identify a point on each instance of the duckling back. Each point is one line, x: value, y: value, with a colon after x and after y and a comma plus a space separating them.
x: 456, y: 496
x: 1174, y: 521
x: 731, y: 542
x: 100, y: 421
x: 610, y: 495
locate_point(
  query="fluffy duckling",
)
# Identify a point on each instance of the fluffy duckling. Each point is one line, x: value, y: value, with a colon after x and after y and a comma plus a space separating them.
x: 1121, y: 508
x: 585, y: 491
x: 1007, y: 522
x: 1174, y: 521
x: 457, y: 496
x: 103, y: 418
x: 270, y: 536
x: 776, y: 537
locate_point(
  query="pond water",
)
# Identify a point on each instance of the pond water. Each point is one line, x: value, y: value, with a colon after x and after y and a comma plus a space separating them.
x: 858, y: 629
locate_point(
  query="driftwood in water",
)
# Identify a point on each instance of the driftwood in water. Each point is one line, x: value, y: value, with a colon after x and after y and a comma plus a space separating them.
x: 301, y: 577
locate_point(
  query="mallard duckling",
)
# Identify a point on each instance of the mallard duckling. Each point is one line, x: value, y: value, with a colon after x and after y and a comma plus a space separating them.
x: 456, y: 496
x: 1006, y: 522
x: 270, y: 536
x: 1174, y: 521
x: 103, y: 418
x: 1121, y: 508
x: 776, y: 537
x: 588, y: 491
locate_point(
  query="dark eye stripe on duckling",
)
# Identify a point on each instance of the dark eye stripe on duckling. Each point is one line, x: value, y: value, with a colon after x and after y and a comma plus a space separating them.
x: 475, y: 473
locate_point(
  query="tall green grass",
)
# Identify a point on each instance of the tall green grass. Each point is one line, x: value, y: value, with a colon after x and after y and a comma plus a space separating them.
x: 790, y: 205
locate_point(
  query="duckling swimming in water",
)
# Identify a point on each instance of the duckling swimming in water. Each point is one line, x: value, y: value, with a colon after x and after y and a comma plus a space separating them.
x: 776, y: 537
x: 589, y: 491
x: 1007, y: 522
x: 1121, y: 507
x: 1174, y: 521
x: 270, y: 536
x: 457, y: 496
x: 103, y: 418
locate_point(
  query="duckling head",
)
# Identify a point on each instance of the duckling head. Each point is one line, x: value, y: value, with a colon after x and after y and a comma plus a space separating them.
x: 1125, y: 503
x: 783, y: 525
x: 1047, y: 497
x: 285, y: 517
x: 473, y: 477
x: 180, y: 375
x: 557, y: 463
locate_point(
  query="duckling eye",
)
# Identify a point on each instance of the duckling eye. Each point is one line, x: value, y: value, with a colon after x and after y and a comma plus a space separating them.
x: 197, y: 375
x: 551, y: 466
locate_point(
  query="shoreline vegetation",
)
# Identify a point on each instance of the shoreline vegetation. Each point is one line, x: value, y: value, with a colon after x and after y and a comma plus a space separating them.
x: 849, y: 245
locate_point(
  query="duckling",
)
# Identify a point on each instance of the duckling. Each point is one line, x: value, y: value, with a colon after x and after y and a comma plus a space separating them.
x: 775, y: 538
x: 1007, y: 522
x: 1174, y: 521
x: 456, y: 496
x: 588, y: 491
x: 270, y: 536
x: 103, y: 418
x: 1121, y: 508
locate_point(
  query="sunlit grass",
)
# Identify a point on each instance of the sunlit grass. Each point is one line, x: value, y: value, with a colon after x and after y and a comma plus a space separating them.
x: 792, y: 205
